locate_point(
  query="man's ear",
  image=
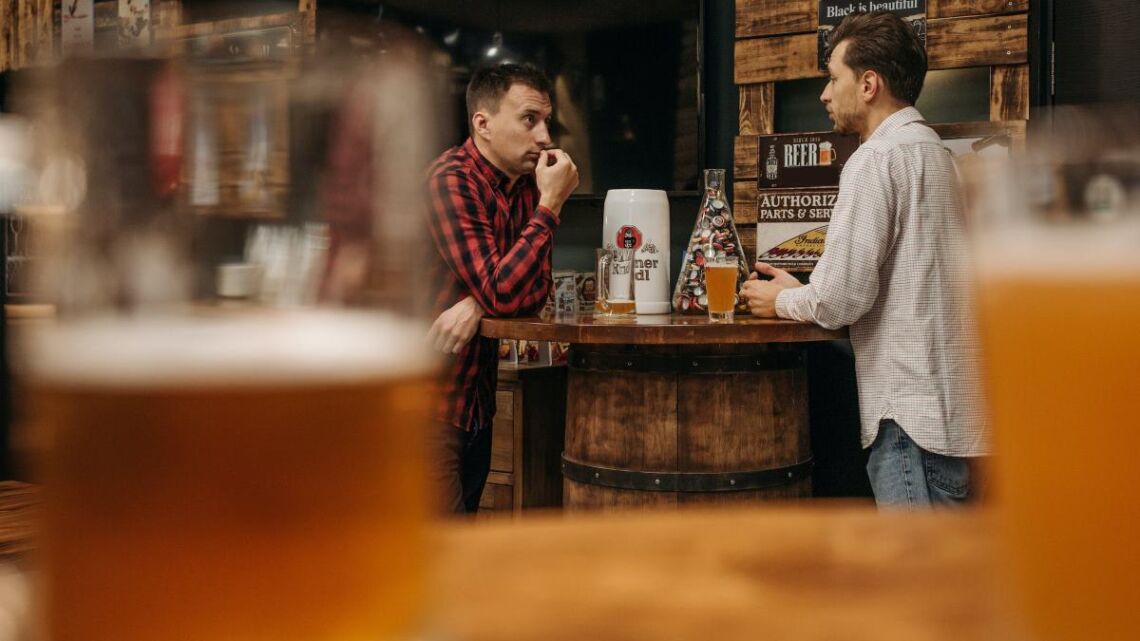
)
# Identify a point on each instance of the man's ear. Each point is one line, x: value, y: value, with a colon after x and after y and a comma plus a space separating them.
x: 479, y: 123
x: 870, y: 85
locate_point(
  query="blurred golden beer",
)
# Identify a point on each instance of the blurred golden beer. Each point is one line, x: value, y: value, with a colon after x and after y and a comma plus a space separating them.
x: 721, y: 281
x: 1060, y: 319
x: 621, y: 306
x: 233, y: 480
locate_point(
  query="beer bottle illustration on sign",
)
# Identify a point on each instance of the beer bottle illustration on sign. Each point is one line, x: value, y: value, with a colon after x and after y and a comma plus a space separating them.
x: 772, y: 165
x: 714, y: 237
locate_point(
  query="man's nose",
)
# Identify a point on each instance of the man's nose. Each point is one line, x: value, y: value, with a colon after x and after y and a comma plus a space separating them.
x: 825, y: 97
x: 542, y: 135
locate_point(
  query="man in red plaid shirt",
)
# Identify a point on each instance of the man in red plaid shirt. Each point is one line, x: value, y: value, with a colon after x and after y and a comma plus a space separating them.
x: 494, y: 203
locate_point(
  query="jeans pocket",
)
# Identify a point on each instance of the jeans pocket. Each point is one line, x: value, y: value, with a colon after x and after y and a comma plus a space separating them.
x: 947, y: 474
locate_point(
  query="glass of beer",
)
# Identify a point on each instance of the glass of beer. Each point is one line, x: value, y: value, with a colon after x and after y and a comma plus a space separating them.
x: 616, y: 299
x: 247, y: 469
x: 1057, y: 250
x: 253, y: 477
x: 720, y: 280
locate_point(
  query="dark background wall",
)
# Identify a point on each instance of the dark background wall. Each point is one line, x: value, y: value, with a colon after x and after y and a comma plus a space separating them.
x: 1095, y: 49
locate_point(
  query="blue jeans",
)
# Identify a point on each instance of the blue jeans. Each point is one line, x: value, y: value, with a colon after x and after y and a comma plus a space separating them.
x: 903, y: 475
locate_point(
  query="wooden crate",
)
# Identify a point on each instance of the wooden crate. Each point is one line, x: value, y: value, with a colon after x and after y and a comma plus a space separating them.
x: 776, y: 41
x: 526, y: 448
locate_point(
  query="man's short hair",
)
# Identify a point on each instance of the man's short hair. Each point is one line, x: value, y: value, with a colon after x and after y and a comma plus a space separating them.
x: 882, y: 42
x: 489, y: 84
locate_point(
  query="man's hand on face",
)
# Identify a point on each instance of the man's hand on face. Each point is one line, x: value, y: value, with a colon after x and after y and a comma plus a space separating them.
x: 455, y: 326
x: 557, y: 178
x: 760, y: 295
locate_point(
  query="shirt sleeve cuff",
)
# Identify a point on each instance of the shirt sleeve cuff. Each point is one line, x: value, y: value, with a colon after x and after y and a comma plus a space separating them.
x: 545, y: 218
x: 783, y: 300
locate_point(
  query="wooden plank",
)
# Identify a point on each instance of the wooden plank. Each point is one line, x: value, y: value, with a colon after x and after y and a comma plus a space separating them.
x: 775, y: 17
x: 951, y: 43
x: 744, y: 160
x: 781, y: 58
x: 20, y: 56
x: 45, y: 45
x: 978, y: 42
x: 503, y: 443
x: 952, y: 8
x: 748, y: 242
x: 745, y: 204
x: 757, y: 109
x: 5, y: 35
x: 756, y: 18
x: 1009, y: 92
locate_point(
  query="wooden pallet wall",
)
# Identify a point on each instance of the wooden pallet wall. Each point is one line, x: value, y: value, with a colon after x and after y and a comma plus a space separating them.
x: 25, y: 31
x: 776, y: 41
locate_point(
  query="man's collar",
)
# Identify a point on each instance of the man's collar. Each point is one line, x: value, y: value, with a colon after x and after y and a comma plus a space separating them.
x: 492, y: 173
x: 903, y: 116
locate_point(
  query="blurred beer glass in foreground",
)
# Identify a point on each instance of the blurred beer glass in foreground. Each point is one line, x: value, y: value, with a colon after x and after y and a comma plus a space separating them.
x: 231, y: 473
x: 1058, y: 283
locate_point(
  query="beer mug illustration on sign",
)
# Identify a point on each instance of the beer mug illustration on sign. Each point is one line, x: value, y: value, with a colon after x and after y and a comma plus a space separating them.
x: 826, y: 154
x: 615, y: 284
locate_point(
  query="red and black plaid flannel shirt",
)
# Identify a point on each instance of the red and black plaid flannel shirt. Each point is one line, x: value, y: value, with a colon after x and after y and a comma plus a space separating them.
x: 494, y: 245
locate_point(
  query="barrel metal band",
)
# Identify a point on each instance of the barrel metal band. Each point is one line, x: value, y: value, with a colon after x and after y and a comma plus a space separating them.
x: 682, y: 364
x: 684, y: 481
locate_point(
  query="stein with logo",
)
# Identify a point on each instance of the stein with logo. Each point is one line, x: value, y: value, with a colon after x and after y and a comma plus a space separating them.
x: 638, y: 219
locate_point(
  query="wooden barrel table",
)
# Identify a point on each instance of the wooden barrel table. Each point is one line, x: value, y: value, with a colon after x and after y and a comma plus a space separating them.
x: 671, y: 410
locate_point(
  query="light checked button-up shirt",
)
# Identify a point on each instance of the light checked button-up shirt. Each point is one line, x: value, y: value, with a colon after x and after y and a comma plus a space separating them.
x: 894, y: 271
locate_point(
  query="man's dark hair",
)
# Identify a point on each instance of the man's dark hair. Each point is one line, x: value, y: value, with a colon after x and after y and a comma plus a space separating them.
x: 489, y: 84
x: 882, y: 42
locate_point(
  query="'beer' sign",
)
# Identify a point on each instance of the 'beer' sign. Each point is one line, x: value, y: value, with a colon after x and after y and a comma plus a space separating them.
x: 803, y: 160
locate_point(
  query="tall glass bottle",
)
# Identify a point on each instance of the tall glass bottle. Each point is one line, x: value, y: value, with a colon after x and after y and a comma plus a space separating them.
x: 714, y: 235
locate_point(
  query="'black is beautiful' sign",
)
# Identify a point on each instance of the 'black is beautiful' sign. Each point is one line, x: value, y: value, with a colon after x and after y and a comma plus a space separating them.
x: 832, y: 12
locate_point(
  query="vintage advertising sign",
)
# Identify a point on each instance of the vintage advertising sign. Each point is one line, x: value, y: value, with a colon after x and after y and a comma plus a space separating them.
x: 832, y: 12
x: 803, y: 160
x: 134, y: 23
x: 77, y: 26
x: 792, y: 227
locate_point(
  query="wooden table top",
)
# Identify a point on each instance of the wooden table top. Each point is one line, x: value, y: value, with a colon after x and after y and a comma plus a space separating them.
x: 663, y: 329
x: 788, y: 573
x: 817, y: 571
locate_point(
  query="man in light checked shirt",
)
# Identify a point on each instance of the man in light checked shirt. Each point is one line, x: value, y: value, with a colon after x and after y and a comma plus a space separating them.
x: 892, y: 271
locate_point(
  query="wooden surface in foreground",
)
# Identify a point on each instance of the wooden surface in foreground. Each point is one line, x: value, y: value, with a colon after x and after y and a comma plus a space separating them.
x: 814, y: 573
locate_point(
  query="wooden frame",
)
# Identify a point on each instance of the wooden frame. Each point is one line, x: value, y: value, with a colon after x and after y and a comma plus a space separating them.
x: 776, y: 41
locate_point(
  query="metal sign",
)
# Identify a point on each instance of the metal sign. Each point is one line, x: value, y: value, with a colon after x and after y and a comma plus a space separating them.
x: 792, y: 228
x: 832, y: 12
x: 803, y: 160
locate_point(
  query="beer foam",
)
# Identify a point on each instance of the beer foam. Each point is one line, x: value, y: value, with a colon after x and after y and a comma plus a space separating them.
x: 1059, y: 252
x: 254, y: 350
